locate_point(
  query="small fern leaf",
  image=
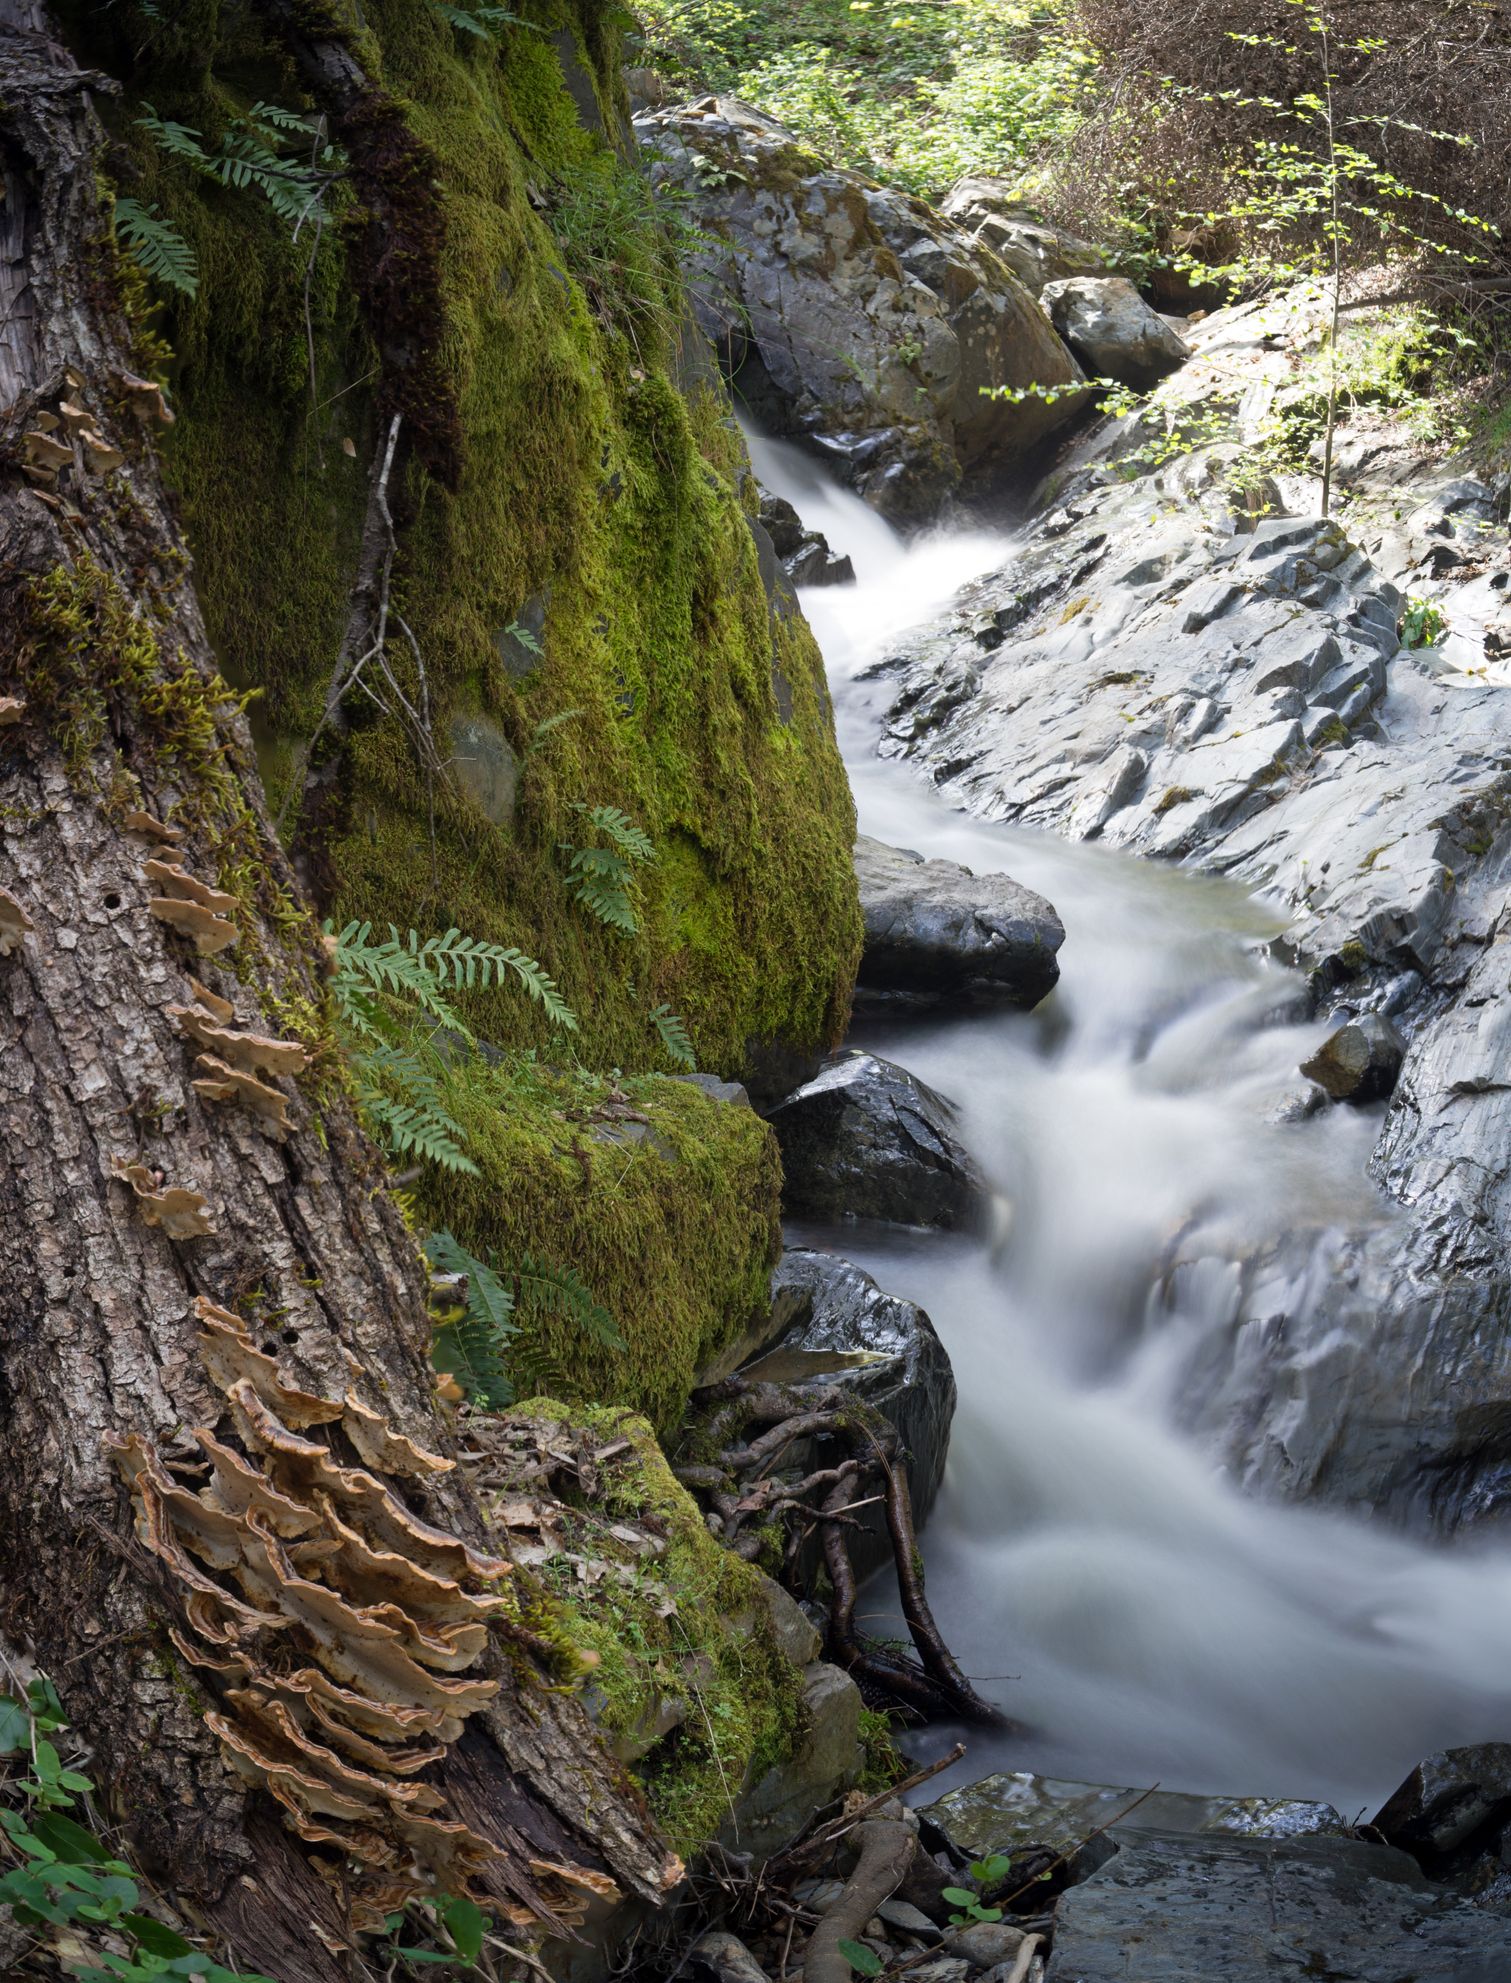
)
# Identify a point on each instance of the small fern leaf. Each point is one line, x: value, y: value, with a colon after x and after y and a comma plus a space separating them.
x: 674, y: 1036
x: 417, y: 1129
x: 623, y: 831
x: 471, y: 1346
x: 159, y: 249
x: 560, y: 1291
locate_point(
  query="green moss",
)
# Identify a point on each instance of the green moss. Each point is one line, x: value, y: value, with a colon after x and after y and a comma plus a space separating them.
x: 664, y: 1201
x: 690, y: 1628
x: 590, y: 486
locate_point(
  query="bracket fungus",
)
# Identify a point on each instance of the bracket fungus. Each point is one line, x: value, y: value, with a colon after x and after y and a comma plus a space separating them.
x: 191, y: 905
x: 12, y: 709
x: 338, y: 1633
x: 144, y: 397
x: 247, y: 1052
x: 181, y: 1212
x: 14, y: 923
x: 137, y: 821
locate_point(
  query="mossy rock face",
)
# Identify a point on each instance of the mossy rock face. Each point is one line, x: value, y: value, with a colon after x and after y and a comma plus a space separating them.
x: 592, y: 558
x: 690, y: 1683
x: 664, y: 1201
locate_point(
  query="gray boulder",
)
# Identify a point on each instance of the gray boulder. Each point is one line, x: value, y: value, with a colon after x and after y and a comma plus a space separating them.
x: 841, y: 1328
x: 864, y: 1139
x: 1359, y: 1062
x: 1037, y: 253
x: 855, y: 317
x: 1250, y: 1910
x: 1112, y: 330
x: 935, y: 930
x: 770, y: 1811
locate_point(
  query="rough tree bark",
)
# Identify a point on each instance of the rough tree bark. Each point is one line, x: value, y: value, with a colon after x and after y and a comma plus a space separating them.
x: 121, y: 724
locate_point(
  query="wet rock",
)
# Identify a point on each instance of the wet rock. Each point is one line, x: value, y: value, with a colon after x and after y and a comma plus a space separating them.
x: 1035, y: 252
x: 770, y: 1813
x: 1249, y: 1910
x: 1360, y: 1062
x: 856, y: 317
x: 909, y: 1920
x: 896, y: 1362
x: 1452, y: 1808
x: 935, y: 930
x: 720, y: 1957
x: 864, y: 1139
x: 805, y: 554
x: 1009, y: 1812
x: 1112, y: 330
x: 986, y: 1943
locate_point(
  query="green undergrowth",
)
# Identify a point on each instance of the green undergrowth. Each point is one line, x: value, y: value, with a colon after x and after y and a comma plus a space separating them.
x: 689, y: 1627
x: 918, y: 96
x: 663, y: 1201
x: 595, y: 558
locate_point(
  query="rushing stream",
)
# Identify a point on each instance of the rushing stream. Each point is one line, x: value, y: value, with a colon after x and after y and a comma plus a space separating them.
x: 1086, y: 1558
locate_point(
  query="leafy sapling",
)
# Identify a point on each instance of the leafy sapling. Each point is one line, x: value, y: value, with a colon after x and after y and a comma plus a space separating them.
x: 986, y: 1874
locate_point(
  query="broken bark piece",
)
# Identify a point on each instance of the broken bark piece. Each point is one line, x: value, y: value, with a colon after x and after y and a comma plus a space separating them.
x: 222, y: 1083
x: 14, y: 923
x: 137, y: 821
x: 246, y: 1052
x: 180, y: 1212
x: 12, y: 709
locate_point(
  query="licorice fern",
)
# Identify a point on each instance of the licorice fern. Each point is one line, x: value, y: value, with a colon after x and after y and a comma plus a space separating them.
x: 391, y: 1005
x: 601, y: 878
x: 674, y: 1035
x: 156, y: 246
x: 483, y: 22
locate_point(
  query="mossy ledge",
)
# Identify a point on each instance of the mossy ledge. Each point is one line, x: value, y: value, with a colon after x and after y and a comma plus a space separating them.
x: 594, y: 556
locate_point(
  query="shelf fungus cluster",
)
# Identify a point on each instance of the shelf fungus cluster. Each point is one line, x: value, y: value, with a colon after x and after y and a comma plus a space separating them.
x: 66, y: 438
x: 339, y: 1633
x: 14, y: 923
x: 232, y: 1062
x: 181, y: 1212
x: 193, y: 907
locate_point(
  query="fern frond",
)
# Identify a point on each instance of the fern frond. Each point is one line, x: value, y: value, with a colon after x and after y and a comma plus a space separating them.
x: 622, y: 830
x: 483, y: 22
x: 560, y: 1291
x: 419, y: 1129
x: 466, y: 961
x: 398, y: 969
x: 674, y: 1036
x: 547, y: 724
x: 471, y: 1345
x: 606, y: 899
x: 178, y: 140
x: 157, y: 246
x: 278, y: 119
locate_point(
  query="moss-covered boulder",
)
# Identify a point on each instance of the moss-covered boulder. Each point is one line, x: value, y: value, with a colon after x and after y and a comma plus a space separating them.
x: 664, y: 1201
x: 576, y: 621
x: 700, y: 1673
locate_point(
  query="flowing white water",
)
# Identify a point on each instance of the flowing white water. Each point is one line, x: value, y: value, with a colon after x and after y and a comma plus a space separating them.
x: 1089, y: 1561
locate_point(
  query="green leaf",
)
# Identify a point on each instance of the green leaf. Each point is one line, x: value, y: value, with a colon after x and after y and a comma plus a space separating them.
x: 466, y: 1924
x: 155, y: 1936
x: 15, y: 1726
x: 958, y: 1896
x: 864, y: 1961
x: 996, y: 1866
x: 674, y: 1036
x: 73, y: 1844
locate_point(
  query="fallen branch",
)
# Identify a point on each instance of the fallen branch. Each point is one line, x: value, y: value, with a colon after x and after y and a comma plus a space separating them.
x: 886, y: 1852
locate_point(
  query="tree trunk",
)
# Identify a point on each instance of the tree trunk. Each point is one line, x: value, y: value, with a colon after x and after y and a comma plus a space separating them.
x: 141, y: 1089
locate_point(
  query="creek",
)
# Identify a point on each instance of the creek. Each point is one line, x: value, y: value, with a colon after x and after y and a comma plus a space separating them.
x: 1088, y: 1560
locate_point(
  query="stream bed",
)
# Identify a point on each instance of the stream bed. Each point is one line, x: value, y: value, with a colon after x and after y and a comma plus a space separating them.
x: 1087, y: 1561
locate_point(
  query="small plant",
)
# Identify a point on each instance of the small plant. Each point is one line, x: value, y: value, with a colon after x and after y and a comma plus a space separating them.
x: 986, y: 1873
x: 674, y: 1036
x: 156, y: 245
x: 483, y: 22
x: 460, y: 1920
x: 601, y: 878
x: 473, y: 1313
x: 1422, y: 624
x: 65, y: 1877
x: 863, y: 1961
x: 392, y: 1008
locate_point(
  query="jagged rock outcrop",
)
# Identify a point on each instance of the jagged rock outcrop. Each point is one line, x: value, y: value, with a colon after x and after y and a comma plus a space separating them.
x: 854, y: 316
x: 988, y: 208
x: 1161, y: 668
